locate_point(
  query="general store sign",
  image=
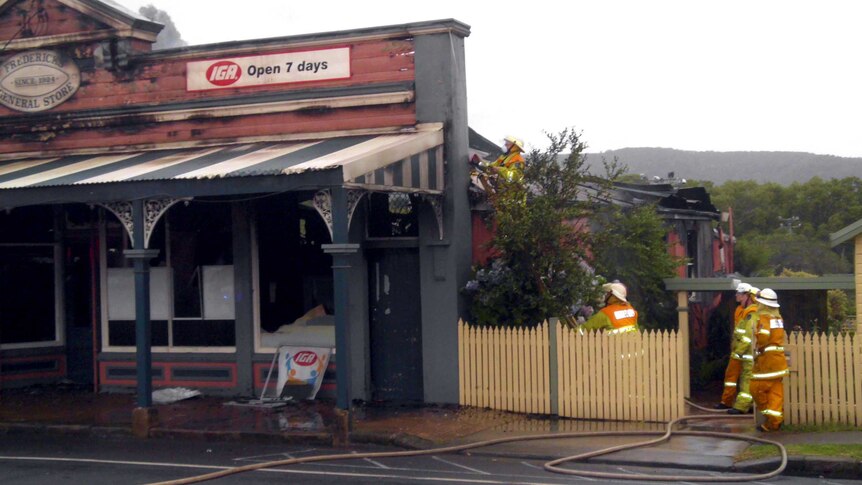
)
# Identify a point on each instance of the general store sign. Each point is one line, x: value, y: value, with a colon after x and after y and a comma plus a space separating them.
x: 37, y: 80
x: 293, y: 67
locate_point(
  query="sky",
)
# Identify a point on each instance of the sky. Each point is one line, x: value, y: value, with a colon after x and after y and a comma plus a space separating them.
x: 755, y: 75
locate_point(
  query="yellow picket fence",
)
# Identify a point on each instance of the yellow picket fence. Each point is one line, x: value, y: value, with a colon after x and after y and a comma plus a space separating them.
x: 504, y: 368
x: 824, y: 384
x: 551, y: 369
x: 635, y: 376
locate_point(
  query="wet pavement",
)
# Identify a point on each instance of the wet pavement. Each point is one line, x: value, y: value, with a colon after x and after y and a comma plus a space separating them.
x: 71, y: 410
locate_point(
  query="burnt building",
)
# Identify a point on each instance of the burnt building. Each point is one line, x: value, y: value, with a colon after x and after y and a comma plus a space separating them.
x: 174, y: 216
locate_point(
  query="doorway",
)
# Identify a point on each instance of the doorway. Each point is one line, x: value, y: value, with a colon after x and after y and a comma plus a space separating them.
x: 396, y: 325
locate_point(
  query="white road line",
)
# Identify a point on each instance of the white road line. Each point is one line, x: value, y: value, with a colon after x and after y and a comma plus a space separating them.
x: 575, y: 477
x: 476, y: 470
x: 375, y: 463
x: 268, y: 470
x: 259, y: 457
x: 264, y: 458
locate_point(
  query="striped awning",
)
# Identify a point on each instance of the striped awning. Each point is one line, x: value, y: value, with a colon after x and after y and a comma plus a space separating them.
x: 413, y: 160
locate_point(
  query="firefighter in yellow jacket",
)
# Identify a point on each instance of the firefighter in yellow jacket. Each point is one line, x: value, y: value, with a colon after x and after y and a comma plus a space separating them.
x: 736, y: 394
x: 770, y: 365
x: 510, y: 165
x: 617, y: 316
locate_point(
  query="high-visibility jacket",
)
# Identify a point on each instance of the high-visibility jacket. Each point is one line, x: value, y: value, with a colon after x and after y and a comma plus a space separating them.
x: 741, y: 341
x: 769, y: 360
x: 616, y: 318
x: 510, y: 165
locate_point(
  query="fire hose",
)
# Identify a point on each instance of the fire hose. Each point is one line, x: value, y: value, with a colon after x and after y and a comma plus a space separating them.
x: 553, y: 465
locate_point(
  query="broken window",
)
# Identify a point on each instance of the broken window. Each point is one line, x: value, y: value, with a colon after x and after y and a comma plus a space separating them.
x: 191, y: 281
x: 294, y: 275
x: 28, y: 272
x: 392, y: 215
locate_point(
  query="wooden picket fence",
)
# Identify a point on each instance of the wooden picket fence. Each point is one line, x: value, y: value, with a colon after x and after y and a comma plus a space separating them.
x: 636, y: 376
x: 505, y: 368
x: 551, y: 369
x: 825, y: 383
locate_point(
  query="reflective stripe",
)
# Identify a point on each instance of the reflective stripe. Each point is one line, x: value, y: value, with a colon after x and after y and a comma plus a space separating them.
x: 743, y: 357
x: 746, y: 340
x: 744, y: 395
x: 729, y: 384
x: 774, y: 348
x: 740, y: 330
x: 627, y: 328
x: 763, y: 331
x: 627, y: 313
x: 769, y: 412
x: 770, y: 375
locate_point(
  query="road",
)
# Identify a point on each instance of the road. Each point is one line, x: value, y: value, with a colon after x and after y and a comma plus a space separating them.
x: 41, y: 458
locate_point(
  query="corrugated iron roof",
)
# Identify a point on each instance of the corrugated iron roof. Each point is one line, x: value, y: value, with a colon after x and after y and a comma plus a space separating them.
x: 381, y: 160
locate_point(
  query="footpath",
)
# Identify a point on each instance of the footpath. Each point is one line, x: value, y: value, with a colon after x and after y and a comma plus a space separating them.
x: 70, y: 411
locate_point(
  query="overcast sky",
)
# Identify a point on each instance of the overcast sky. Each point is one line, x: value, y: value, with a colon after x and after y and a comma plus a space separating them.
x: 726, y: 75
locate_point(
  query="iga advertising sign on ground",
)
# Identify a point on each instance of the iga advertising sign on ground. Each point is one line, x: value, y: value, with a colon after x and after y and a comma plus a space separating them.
x: 302, y: 365
x: 293, y: 67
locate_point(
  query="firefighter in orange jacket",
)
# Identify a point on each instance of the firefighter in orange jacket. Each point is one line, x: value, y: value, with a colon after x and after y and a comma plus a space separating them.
x: 617, y: 316
x: 736, y: 377
x: 770, y: 365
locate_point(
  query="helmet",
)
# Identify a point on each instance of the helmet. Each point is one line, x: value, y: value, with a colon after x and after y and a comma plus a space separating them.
x: 514, y: 141
x: 743, y: 288
x: 616, y: 289
x: 767, y: 297
x: 753, y: 291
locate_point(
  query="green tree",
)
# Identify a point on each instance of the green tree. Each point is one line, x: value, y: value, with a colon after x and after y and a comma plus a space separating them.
x: 631, y: 246
x: 540, y: 241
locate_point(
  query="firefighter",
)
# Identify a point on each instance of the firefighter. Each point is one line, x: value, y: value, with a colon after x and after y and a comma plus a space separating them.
x: 743, y: 350
x: 510, y: 165
x: 741, y: 353
x: 617, y: 316
x: 770, y: 364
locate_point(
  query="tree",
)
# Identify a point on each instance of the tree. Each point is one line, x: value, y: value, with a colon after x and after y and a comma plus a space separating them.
x: 169, y: 36
x: 631, y: 247
x: 541, y: 240
x: 547, y: 247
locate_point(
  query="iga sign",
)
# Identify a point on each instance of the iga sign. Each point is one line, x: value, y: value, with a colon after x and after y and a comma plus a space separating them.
x: 37, y: 80
x: 293, y: 67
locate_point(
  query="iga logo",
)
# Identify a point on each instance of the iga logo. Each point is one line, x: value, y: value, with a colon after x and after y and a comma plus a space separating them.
x: 305, y: 358
x: 224, y: 73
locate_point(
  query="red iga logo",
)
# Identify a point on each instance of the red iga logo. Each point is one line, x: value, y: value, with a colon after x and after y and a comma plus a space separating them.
x: 224, y: 73
x: 305, y: 358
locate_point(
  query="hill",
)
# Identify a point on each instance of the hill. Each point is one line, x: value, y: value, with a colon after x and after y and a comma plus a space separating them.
x: 718, y: 167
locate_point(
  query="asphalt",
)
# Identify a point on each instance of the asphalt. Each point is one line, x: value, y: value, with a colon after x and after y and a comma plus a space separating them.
x: 72, y: 410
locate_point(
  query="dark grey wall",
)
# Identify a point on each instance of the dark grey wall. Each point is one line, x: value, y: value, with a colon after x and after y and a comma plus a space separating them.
x: 441, y: 96
x: 360, y: 350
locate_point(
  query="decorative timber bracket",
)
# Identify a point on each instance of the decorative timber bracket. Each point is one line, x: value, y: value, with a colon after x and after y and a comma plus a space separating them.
x: 323, y: 204
x: 436, y: 201
x: 154, y: 209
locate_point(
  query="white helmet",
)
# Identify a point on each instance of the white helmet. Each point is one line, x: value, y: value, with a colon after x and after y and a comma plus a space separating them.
x: 743, y: 288
x: 616, y: 289
x: 767, y: 297
x: 514, y: 141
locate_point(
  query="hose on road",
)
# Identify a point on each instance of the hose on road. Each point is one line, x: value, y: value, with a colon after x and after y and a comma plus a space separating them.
x: 553, y: 465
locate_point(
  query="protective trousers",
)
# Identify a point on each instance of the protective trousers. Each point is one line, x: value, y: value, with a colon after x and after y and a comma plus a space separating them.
x: 731, y: 377
x: 769, y: 397
x: 743, y: 394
